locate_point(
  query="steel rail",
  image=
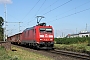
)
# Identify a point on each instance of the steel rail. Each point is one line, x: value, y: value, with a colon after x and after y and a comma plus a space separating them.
x: 83, y: 56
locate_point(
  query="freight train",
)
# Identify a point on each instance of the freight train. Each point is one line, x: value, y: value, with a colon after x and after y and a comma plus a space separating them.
x: 39, y: 36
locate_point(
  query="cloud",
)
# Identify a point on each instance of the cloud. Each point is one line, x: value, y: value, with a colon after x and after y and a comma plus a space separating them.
x: 5, y: 1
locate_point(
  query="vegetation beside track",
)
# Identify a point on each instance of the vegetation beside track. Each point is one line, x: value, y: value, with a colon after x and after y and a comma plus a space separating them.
x: 26, y: 55
x: 73, y: 44
x: 3, y: 54
x: 1, y: 28
x: 20, y: 54
x: 72, y: 40
x: 73, y: 47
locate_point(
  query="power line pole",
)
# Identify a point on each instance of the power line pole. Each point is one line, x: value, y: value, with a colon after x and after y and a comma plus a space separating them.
x: 86, y: 26
x: 19, y: 26
x: 62, y: 34
x: 5, y: 35
x: 76, y: 30
x: 56, y: 34
x: 16, y: 22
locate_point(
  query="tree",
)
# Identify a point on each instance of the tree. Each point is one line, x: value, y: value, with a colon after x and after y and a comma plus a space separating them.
x: 1, y: 29
x: 1, y: 21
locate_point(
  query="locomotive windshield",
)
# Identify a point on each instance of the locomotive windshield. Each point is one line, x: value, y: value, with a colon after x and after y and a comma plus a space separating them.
x: 49, y: 30
x: 42, y: 29
x: 46, y: 30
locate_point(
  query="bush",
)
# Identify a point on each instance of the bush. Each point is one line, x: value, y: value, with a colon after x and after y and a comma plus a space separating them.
x: 1, y: 34
x: 88, y: 41
x: 71, y: 47
x: 72, y: 40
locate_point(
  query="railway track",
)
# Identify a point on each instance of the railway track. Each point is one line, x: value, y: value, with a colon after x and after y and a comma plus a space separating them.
x: 82, y: 56
x: 56, y: 52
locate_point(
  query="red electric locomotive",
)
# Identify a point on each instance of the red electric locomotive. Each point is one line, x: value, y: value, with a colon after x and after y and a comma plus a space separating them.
x: 40, y: 36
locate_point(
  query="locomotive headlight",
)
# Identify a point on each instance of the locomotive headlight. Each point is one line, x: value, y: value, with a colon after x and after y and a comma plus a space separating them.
x: 40, y: 39
x: 50, y: 36
x: 51, y: 39
x: 41, y: 35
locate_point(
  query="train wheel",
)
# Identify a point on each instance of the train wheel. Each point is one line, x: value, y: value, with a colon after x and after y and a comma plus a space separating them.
x: 37, y: 46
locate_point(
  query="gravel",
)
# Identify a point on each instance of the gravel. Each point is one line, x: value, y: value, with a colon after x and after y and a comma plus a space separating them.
x: 50, y: 55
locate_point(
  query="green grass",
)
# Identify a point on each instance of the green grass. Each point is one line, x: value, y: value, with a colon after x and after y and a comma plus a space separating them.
x: 21, y: 54
x: 87, y: 48
x: 3, y: 54
x: 80, y: 47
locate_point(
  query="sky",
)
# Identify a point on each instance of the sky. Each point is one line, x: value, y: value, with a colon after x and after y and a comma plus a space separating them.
x: 65, y: 16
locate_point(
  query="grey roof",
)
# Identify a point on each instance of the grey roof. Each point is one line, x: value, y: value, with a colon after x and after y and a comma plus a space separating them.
x: 78, y: 34
x: 73, y: 34
x: 85, y: 33
x: 29, y: 28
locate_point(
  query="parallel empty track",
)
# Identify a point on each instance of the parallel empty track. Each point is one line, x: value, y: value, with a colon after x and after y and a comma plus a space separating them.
x: 72, y: 54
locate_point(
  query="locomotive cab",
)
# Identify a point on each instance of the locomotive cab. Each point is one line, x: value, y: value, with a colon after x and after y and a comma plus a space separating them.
x: 45, y: 35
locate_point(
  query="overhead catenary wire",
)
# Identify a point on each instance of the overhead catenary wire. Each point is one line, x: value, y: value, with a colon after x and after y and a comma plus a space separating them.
x: 70, y: 15
x: 44, y: 9
x: 65, y: 16
x: 57, y: 7
x: 28, y: 12
x: 50, y: 5
x: 38, y: 10
x: 74, y: 8
x: 53, y: 9
x: 12, y: 16
x: 16, y: 22
x: 31, y: 9
x: 40, y: 7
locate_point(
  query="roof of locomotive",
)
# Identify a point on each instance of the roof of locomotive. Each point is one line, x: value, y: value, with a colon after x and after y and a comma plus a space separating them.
x: 39, y: 25
x: 29, y: 28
